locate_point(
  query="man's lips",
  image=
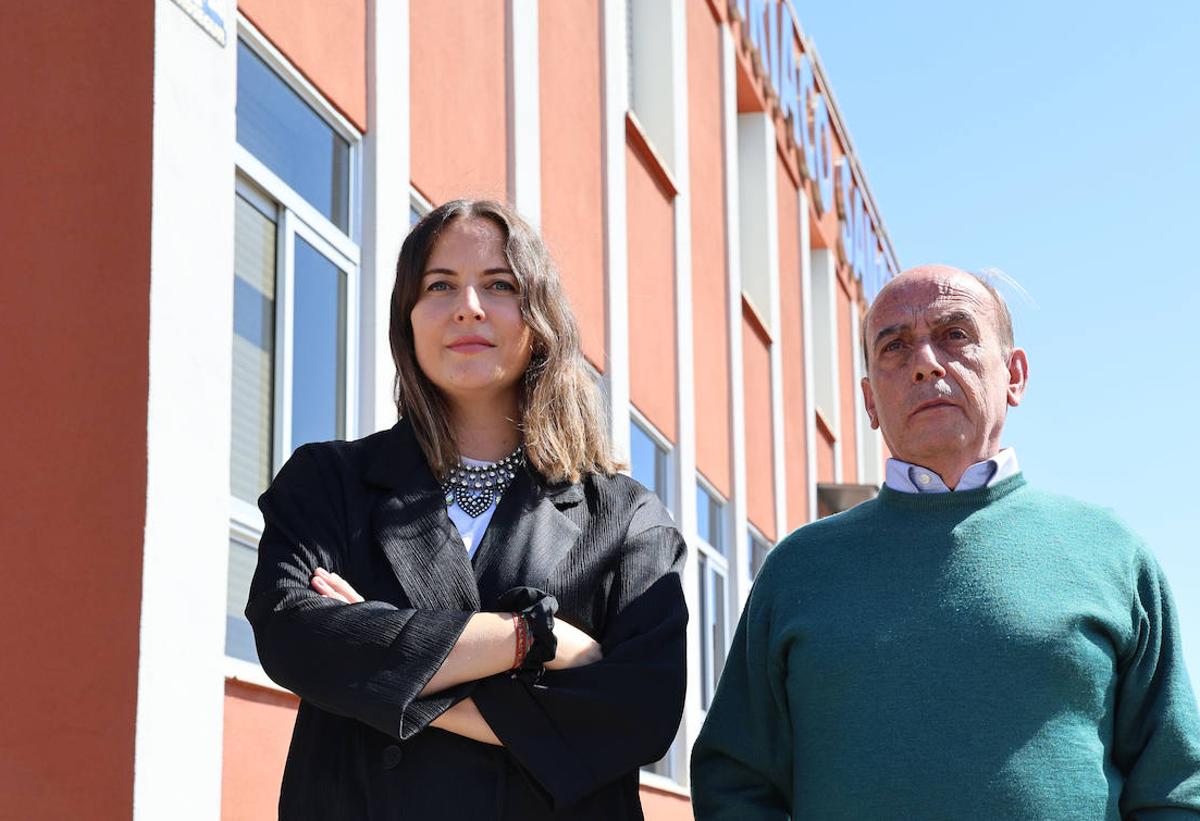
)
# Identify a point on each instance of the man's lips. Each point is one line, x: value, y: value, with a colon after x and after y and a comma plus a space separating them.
x: 470, y: 344
x: 931, y: 404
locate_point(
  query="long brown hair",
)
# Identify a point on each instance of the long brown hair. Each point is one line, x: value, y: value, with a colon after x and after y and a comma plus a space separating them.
x: 561, y: 416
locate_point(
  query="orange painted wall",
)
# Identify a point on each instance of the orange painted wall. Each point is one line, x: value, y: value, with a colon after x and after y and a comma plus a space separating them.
x: 660, y: 805
x: 760, y: 471
x: 792, y: 339
x: 651, y: 231
x: 76, y: 217
x: 326, y: 40
x: 458, y: 99
x: 849, y: 389
x: 569, y: 50
x: 710, y: 296
x: 258, y: 728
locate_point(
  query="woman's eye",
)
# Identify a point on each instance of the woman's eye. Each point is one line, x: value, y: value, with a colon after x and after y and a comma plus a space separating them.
x: 504, y: 285
x: 439, y: 285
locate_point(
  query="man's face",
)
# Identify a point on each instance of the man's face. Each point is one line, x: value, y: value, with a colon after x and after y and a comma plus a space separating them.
x: 939, y: 380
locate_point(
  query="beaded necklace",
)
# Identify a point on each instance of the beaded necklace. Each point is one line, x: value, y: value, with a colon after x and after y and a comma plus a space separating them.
x: 477, y: 487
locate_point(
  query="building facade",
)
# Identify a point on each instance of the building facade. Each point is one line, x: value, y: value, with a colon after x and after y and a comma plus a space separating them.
x: 206, y: 205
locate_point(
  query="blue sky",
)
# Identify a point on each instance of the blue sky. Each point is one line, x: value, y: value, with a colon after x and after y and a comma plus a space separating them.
x: 1059, y: 142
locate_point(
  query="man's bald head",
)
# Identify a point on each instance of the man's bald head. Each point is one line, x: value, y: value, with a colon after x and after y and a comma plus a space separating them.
x: 1003, y: 317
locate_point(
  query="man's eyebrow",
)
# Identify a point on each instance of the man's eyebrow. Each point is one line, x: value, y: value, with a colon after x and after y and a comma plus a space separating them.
x: 890, y: 330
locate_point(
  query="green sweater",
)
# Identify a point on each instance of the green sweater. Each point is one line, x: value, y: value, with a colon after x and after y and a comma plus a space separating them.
x: 1000, y: 653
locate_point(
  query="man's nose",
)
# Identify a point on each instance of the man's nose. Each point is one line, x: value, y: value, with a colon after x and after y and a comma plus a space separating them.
x: 926, y: 365
x: 469, y: 305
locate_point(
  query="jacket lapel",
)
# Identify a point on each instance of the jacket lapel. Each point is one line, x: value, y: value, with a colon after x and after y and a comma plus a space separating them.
x: 410, y: 525
x: 527, y: 537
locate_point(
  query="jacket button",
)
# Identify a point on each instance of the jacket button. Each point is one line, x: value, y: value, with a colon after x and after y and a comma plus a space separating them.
x: 392, y: 756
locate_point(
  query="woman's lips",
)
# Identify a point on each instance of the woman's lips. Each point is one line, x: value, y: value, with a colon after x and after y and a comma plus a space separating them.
x: 470, y: 344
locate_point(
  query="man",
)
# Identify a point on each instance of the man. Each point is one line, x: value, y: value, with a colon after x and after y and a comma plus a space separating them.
x: 964, y: 646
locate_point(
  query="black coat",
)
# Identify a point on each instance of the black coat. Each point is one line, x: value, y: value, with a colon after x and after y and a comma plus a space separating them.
x: 371, y: 511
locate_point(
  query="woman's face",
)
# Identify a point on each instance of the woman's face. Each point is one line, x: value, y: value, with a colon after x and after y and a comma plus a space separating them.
x: 471, y: 340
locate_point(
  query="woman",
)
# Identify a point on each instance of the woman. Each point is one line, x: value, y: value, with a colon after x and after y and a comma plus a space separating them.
x: 407, y: 581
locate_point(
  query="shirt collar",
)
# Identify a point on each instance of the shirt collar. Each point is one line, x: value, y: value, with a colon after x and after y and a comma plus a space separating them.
x: 906, y: 477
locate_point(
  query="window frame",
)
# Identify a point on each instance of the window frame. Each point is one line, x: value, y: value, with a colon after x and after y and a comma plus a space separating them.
x: 669, y: 496
x: 715, y: 561
x: 295, y: 218
x: 753, y: 534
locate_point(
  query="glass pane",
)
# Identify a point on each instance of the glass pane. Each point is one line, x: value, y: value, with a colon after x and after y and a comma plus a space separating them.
x: 281, y: 130
x: 710, y: 515
x: 253, y: 351
x: 704, y: 631
x: 318, y: 348
x: 758, y: 552
x: 239, y: 639
x: 719, y: 607
x: 414, y: 216
x: 643, y: 458
x: 703, y: 514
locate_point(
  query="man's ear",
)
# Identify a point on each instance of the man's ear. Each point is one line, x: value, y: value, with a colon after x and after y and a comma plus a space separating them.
x: 1018, y: 376
x: 869, y: 402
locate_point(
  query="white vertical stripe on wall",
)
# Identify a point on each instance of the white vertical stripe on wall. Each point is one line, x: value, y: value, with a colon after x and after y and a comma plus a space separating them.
x: 861, y: 431
x: 180, y: 682
x: 778, y: 455
x: 806, y: 319
x: 733, y: 262
x: 525, y: 136
x: 616, y: 259
x: 685, y: 447
x: 385, y: 201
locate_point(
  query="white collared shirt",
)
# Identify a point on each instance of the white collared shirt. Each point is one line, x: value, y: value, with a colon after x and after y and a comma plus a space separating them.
x: 909, y: 478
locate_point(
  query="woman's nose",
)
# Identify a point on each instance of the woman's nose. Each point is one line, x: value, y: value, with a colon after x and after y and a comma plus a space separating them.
x: 469, y: 305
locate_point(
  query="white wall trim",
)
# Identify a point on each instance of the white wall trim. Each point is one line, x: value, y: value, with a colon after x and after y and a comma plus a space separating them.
x: 616, y: 259
x: 685, y: 390
x: 385, y: 204
x: 181, y: 648
x: 733, y: 262
x: 778, y: 453
x: 525, y: 136
x: 806, y: 321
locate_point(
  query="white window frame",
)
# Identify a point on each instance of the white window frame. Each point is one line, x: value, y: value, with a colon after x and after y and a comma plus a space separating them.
x: 296, y: 217
x: 670, y: 494
x: 754, y: 534
x: 418, y: 203
x: 718, y: 563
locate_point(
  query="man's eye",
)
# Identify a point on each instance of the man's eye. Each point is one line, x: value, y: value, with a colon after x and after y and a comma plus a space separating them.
x: 957, y: 334
x: 894, y: 345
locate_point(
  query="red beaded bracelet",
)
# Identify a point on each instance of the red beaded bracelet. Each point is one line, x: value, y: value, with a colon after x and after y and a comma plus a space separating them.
x: 523, y: 641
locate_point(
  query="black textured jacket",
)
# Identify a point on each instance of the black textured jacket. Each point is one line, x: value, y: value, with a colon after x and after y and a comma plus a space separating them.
x: 371, y: 511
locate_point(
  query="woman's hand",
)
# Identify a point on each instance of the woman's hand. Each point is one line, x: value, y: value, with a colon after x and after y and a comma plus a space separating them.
x: 575, y: 647
x: 333, y: 586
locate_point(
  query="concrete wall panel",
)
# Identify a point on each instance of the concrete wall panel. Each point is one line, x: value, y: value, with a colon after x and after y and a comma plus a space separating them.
x: 459, y: 99
x: 569, y: 46
x: 651, y: 295
x: 760, y: 476
x: 326, y: 40
x: 710, y: 299
x: 76, y: 217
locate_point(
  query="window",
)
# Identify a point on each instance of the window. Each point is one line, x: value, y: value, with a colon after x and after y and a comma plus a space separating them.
x: 711, y: 527
x: 649, y: 463
x: 757, y: 554
x: 648, y: 43
x: 295, y: 278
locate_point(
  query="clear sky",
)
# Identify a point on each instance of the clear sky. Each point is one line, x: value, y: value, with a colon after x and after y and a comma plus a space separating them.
x: 1059, y: 142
